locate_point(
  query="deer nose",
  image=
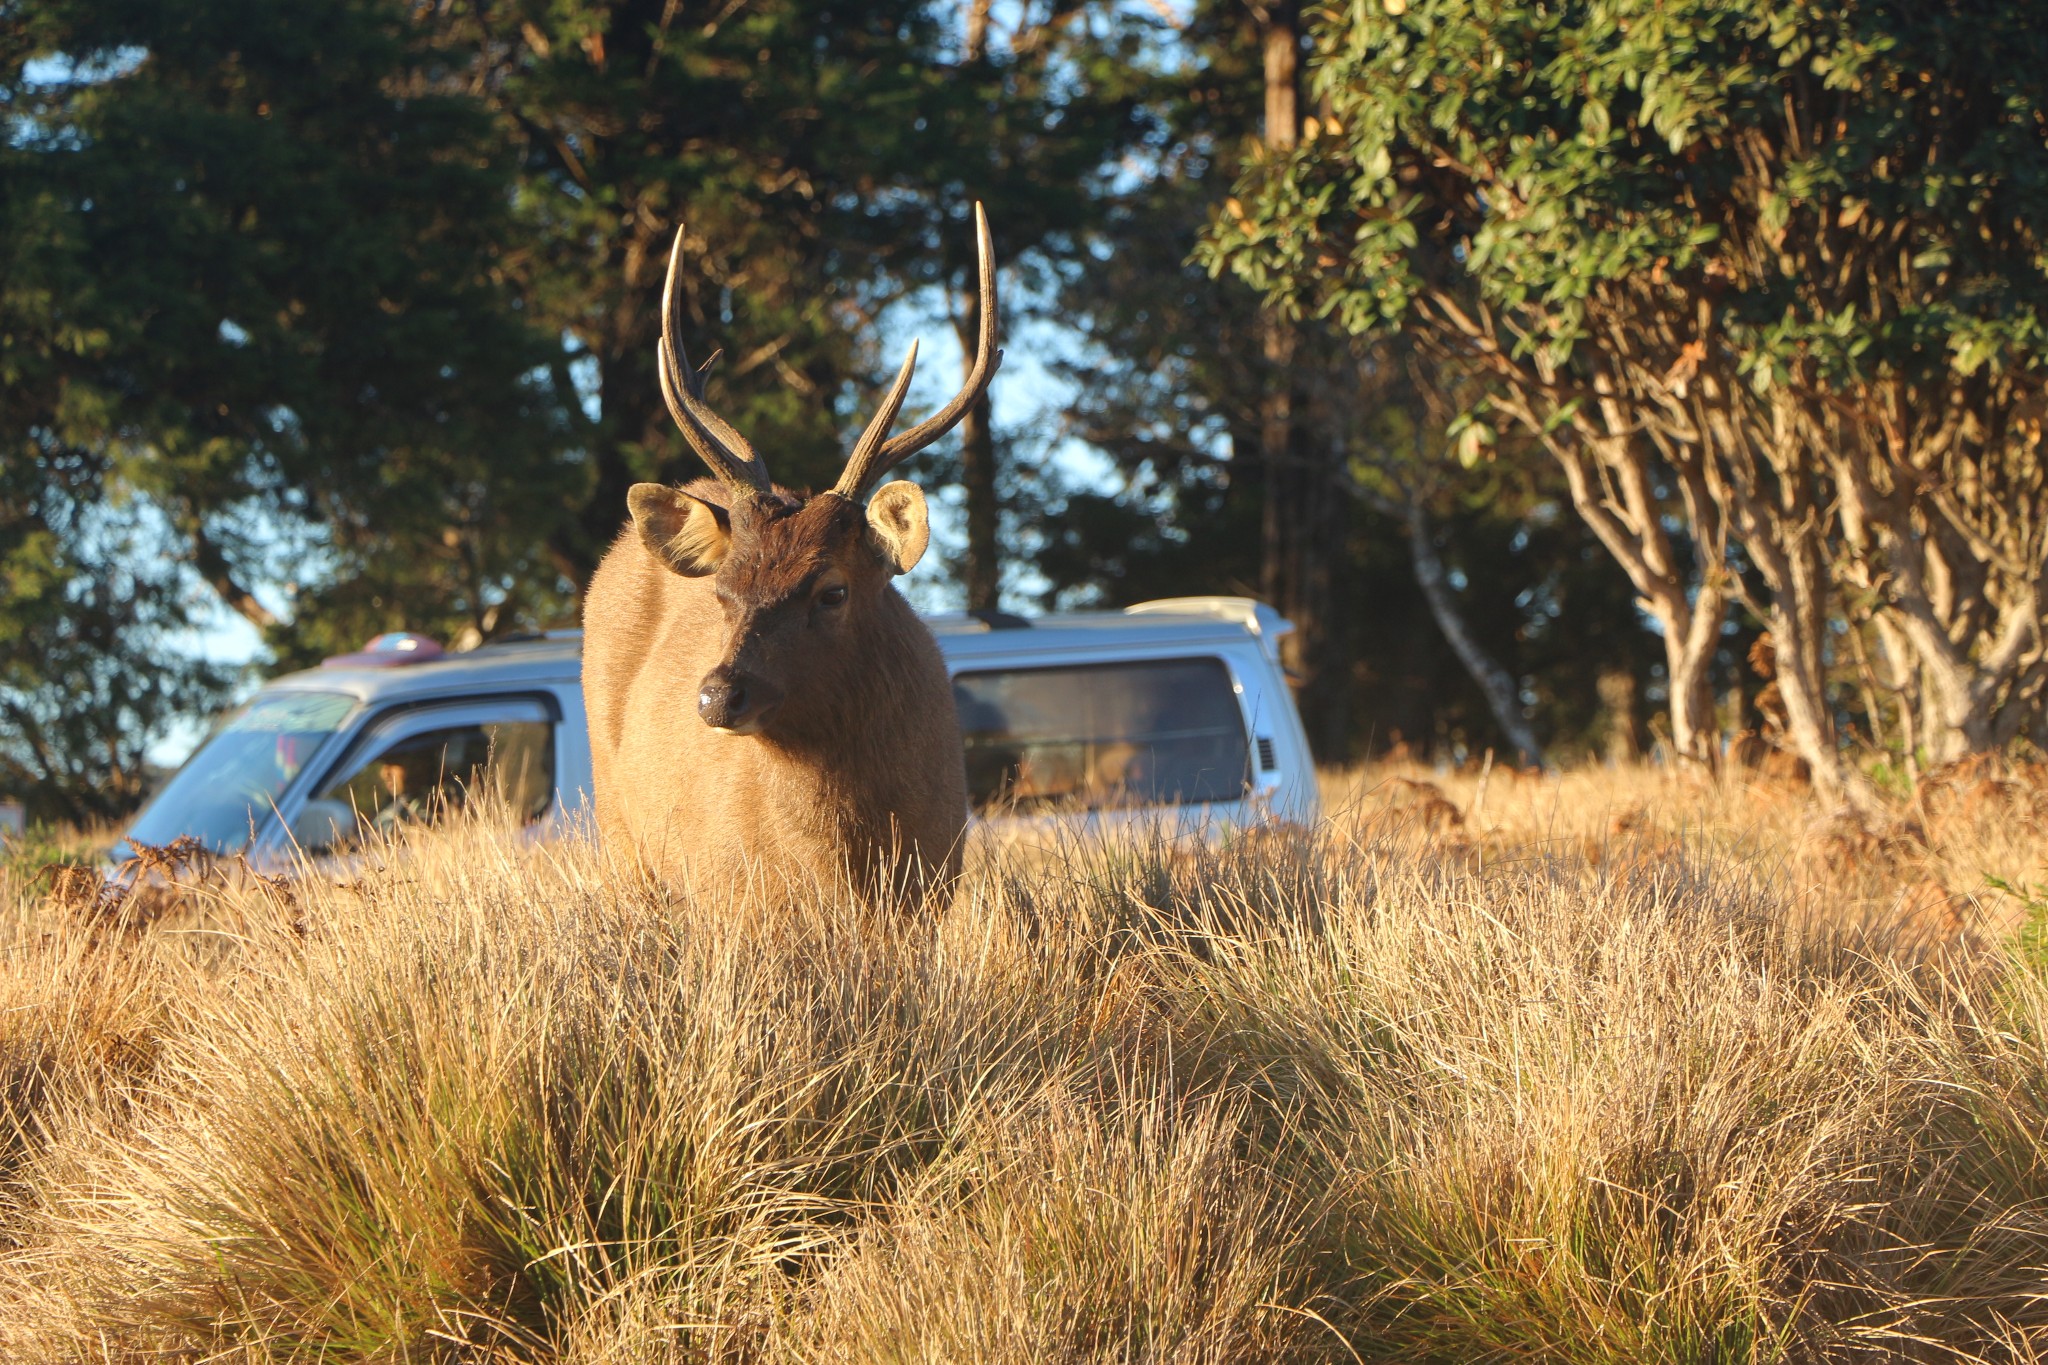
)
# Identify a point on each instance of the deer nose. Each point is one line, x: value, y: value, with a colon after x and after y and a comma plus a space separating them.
x: 728, y: 699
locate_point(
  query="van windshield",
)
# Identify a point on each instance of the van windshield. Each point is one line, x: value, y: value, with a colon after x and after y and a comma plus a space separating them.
x: 229, y: 787
x: 1160, y: 733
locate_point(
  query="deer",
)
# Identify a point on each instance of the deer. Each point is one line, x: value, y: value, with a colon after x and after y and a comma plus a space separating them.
x: 766, y: 710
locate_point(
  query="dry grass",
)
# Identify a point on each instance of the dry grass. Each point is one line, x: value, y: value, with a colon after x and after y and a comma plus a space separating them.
x: 1916, y: 869
x: 1607, y: 1068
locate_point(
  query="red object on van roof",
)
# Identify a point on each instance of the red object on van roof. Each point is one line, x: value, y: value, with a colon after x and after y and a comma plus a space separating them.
x: 394, y: 649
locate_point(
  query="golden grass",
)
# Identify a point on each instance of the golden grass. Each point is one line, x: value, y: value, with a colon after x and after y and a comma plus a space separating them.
x: 1612, y: 1067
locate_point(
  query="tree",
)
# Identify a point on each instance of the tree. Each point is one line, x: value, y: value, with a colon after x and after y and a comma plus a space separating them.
x: 253, y: 351
x: 1050, y: 113
x: 251, y: 260
x: 825, y: 158
x: 1738, y: 264
x: 743, y: 124
x: 1232, y: 88
x: 1174, y: 389
x: 1387, y: 449
x: 1305, y: 517
x: 89, y: 676
x: 358, y: 298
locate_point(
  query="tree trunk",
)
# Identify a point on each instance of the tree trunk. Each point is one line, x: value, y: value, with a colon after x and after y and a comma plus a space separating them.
x: 1803, y: 692
x: 1304, y: 528
x: 1959, y: 610
x: 1798, y: 625
x: 1968, y: 704
x: 1692, y: 633
x: 1625, y: 736
x: 1321, y: 619
x: 981, y: 572
x: 977, y: 29
x: 1276, y: 465
x: 1496, y: 683
x: 1280, y: 44
x: 1281, y: 528
x: 212, y: 565
x: 1616, y: 491
x: 1688, y: 614
x: 1304, y: 515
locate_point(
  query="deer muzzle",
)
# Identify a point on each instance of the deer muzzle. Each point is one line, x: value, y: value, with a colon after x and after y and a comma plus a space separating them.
x: 735, y: 703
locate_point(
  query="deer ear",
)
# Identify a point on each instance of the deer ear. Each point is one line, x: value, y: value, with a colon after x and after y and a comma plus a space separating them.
x: 899, y: 526
x: 686, y: 533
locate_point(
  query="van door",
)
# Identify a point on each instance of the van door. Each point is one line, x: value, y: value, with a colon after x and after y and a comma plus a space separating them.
x: 422, y: 764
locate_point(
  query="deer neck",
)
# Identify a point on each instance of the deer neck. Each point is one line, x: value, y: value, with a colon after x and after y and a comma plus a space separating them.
x: 877, y: 719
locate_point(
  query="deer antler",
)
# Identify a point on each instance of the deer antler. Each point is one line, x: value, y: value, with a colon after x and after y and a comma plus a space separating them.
x: 682, y: 388
x: 872, y: 455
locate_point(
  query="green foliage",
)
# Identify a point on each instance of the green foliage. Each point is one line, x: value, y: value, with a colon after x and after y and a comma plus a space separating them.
x: 1169, y: 387
x: 90, y: 671
x: 1794, y: 247
x: 261, y: 243
x: 354, y: 302
x: 1543, y: 152
x: 772, y: 132
x: 825, y: 159
x: 2031, y: 938
x: 26, y: 856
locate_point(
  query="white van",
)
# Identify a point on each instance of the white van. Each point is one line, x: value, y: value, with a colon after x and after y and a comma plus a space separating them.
x: 1176, y: 708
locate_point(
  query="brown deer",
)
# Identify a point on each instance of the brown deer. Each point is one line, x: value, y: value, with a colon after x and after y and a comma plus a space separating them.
x: 764, y: 705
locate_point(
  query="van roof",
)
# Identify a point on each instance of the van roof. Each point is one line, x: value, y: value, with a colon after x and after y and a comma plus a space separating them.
x: 556, y: 656
x: 1169, y: 621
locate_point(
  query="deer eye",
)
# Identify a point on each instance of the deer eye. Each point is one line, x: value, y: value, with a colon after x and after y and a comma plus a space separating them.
x: 832, y: 597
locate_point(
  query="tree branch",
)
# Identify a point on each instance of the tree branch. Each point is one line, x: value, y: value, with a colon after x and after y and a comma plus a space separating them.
x: 212, y: 565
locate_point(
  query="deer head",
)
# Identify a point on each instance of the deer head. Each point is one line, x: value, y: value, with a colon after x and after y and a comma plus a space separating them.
x: 800, y: 579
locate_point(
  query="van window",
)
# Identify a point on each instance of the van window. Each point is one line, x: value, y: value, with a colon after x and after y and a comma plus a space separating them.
x: 231, y: 785
x: 425, y: 777
x: 1140, y: 734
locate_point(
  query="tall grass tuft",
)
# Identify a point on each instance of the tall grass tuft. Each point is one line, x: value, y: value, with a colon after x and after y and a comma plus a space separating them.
x: 1384, y: 1091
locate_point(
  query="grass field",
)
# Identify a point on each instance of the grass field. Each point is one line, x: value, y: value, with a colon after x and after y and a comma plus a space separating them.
x: 1617, y: 1066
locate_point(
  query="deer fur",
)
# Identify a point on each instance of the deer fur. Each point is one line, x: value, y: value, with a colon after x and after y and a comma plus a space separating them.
x: 855, y: 771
